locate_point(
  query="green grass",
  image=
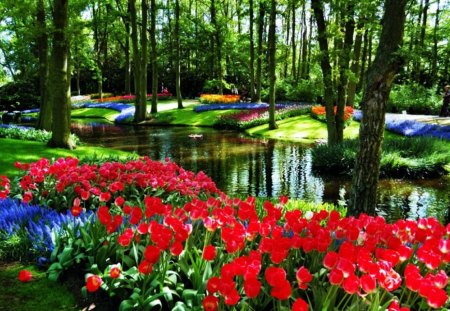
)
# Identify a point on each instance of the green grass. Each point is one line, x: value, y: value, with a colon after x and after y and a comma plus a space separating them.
x: 38, y: 294
x: 302, y: 129
x: 28, y: 151
x: 108, y: 114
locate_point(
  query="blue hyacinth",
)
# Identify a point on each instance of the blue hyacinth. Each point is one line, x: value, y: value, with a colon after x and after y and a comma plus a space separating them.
x: 40, y: 224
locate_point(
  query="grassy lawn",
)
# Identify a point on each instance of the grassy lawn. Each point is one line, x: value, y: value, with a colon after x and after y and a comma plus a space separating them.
x: 108, y: 114
x: 28, y: 151
x: 302, y: 129
x: 38, y: 294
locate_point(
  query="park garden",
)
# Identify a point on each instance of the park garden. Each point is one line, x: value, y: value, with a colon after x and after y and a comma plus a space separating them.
x: 224, y: 155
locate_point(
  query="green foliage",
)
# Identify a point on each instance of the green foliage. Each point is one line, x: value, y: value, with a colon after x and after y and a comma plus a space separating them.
x: 415, y: 99
x: 15, y: 247
x: 40, y: 294
x: 19, y: 95
x: 303, y: 90
x: 212, y: 86
x: 30, y: 134
x: 410, y: 157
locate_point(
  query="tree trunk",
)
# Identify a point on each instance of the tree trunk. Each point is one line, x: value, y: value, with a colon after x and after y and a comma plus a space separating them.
x: 136, y: 58
x: 45, y: 113
x: 154, y: 59
x: 308, y: 58
x: 144, y: 63
x: 177, y: 58
x: 363, y: 196
x: 326, y: 70
x: 127, y: 54
x: 287, y: 31
x: 272, y: 64
x: 293, y: 43
x: 252, y: 55
x: 262, y: 12
x: 351, y: 90
x: 435, y: 45
x: 59, y: 87
x: 305, y: 42
x: 362, y: 73
x: 344, y: 60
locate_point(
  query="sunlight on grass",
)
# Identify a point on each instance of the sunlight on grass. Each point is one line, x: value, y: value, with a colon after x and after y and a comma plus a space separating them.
x: 27, y: 151
x: 302, y: 128
x: 108, y: 114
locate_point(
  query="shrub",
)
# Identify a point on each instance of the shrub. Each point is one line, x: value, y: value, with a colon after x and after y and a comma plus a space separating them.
x: 28, y: 133
x: 19, y: 95
x: 414, y: 98
x: 213, y: 86
x: 412, y: 157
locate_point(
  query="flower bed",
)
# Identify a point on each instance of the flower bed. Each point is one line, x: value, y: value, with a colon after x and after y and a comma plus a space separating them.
x: 164, y: 95
x: 152, y: 245
x: 414, y: 128
x: 254, y: 117
x: 319, y: 113
x: 217, y: 98
x: 35, y: 226
x: 28, y: 133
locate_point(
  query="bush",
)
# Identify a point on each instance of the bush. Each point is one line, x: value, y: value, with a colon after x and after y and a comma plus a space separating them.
x: 303, y: 90
x: 415, y: 99
x: 412, y: 157
x: 28, y: 133
x: 213, y: 86
x: 19, y: 95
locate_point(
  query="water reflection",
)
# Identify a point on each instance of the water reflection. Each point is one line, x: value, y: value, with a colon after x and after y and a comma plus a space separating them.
x: 245, y: 166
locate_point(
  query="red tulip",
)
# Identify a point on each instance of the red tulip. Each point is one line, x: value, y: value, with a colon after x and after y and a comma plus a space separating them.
x: 25, y: 276
x: 93, y: 283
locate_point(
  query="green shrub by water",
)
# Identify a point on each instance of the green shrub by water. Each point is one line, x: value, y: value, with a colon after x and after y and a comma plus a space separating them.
x: 401, y: 157
x: 415, y: 99
x: 30, y: 134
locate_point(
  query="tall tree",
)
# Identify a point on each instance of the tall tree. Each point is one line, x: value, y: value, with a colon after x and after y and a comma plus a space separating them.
x: 271, y: 48
x: 177, y: 51
x: 325, y: 64
x: 381, y: 74
x: 45, y: 114
x: 252, y: 53
x: 262, y: 13
x: 352, y: 83
x: 153, y: 11
x: 59, y: 84
x: 293, y: 39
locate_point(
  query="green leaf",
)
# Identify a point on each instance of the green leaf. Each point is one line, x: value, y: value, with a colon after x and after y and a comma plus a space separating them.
x: 180, y: 306
x: 66, y: 256
x: 126, y: 305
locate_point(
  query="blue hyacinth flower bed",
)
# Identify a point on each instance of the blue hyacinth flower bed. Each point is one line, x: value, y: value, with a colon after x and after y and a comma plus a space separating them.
x: 412, y: 127
x: 109, y: 105
x: 39, y: 224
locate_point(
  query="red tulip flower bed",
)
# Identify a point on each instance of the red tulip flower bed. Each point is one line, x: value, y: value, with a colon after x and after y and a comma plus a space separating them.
x: 165, y: 237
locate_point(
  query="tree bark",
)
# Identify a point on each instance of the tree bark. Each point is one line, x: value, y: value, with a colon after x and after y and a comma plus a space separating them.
x: 252, y: 54
x: 45, y: 114
x: 136, y: 57
x: 435, y: 44
x: 58, y: 77
x: 344, y: 59
x: 325, y: 64
x: 272, y: 64
x: 293, y: 42
x: 304, y: 54
x: 262, y: 12
x: 362, y: 73
x: 154, y: 58
x: 177, y: 58
x: 363, y: 198
x: 351, y: 90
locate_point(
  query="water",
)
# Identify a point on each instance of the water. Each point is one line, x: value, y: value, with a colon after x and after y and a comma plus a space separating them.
x: 241, y: 165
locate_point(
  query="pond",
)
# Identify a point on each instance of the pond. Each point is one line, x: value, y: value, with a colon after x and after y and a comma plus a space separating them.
x: 241, y: 165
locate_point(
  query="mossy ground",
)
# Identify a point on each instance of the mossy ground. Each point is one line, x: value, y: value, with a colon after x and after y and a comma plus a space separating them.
x: 38, y: 294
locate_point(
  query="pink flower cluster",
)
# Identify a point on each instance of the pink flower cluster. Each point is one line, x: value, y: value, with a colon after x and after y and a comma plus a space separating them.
x: 107, y: 182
